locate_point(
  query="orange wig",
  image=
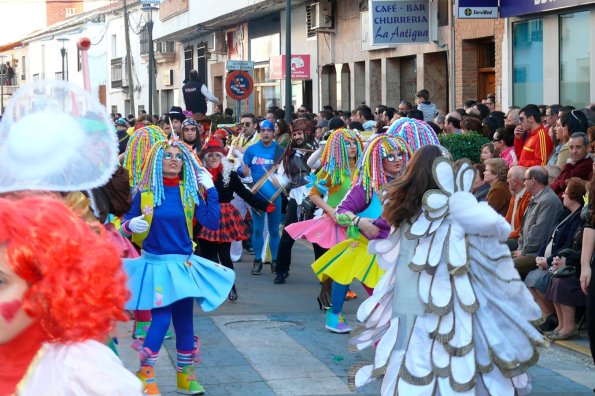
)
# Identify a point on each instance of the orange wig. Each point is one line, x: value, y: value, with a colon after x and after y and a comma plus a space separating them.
x: 77, y: 287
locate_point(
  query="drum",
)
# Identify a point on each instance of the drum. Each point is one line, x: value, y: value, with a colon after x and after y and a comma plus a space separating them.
x: 270, y: 185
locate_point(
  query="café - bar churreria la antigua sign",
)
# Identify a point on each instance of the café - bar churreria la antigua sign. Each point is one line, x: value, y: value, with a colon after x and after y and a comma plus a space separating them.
x: 399, y: 22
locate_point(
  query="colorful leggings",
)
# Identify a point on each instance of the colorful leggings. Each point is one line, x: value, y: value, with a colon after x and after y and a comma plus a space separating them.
x: 180, y: 313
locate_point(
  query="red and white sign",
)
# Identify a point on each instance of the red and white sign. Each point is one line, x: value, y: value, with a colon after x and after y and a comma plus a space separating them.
x: 300, y: 67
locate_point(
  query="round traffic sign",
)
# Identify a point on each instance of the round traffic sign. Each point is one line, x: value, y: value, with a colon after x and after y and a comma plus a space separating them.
x: 239, y: 85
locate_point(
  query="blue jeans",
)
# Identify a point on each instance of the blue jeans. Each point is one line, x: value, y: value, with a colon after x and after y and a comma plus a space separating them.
x: 274, y: 219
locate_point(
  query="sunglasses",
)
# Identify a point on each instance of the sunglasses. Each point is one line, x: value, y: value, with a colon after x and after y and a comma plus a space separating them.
x: 169, y: 156
x: 394, y: 158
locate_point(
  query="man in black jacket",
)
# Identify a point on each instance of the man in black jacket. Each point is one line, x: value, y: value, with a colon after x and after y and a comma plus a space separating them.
x: 196, y: 94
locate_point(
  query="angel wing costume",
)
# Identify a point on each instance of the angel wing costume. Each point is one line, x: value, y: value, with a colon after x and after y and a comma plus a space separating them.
x: 451, y: 314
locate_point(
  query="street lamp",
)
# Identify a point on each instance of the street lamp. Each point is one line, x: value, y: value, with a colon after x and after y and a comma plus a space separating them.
x: 148, y: 8
x: 63, y: 53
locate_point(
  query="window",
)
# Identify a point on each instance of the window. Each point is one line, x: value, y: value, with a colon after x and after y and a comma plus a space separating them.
x: 201, y: 58
x: 188, y: 61
x: 69, y: 12
x: 23, y: 69
x: 114, y: 46
x: 575, y: 62
x: 144, y: 41
x: 116, y: 73
x: 527, y: 62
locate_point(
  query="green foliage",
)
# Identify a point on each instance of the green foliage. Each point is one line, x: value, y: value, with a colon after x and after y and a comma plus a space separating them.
x: 467, y: 145
x: 220, y: 119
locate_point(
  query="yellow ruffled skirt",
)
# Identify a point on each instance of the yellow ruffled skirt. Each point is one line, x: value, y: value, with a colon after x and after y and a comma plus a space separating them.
x: 347, y: 261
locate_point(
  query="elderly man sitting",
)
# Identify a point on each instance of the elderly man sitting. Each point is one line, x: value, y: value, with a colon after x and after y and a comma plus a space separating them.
x: 579, y: 163
x: 544, y: 208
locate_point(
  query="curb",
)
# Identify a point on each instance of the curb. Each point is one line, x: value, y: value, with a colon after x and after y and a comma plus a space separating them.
x: 573, y: 346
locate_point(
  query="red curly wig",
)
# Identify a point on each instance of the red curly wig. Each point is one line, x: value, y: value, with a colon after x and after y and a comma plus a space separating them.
x: 77, y: 284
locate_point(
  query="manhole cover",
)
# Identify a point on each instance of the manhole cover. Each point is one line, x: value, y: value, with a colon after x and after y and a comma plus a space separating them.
x: 262, y: 324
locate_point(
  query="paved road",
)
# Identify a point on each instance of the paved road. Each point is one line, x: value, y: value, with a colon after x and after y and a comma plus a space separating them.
x: 272, y: 341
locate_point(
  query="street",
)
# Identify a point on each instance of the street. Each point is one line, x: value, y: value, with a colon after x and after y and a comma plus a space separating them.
x: 272, y: 341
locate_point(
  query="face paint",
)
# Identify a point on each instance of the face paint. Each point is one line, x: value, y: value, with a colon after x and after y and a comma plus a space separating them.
x: 9, y: 310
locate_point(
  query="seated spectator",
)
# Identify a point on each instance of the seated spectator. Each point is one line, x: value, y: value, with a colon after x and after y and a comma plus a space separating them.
x: 513, y: 116
x: 488, y: 151
x: 452, y: 123
x: 557, y: 134
x: 579, y: 163
x: 562, y: 237
x: 472, y: 124
x: 499, y: 194
x: 519, y: 201
x: 571, y: 121
x: 490, y: 124
x: 553, y: 172
x: 542, y: 212
x: 504, y: 142
x: 480, y: 188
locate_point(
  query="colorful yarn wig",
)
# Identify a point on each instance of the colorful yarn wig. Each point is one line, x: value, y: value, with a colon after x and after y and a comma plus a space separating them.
x: 415, y: 132
x: 369, y: 170
x: 139, y: 145
x: 334, y: 160
x: 152, y: 177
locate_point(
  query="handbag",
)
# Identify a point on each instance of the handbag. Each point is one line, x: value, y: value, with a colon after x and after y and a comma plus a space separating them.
x: 305, y: 210
x: 564, y: 272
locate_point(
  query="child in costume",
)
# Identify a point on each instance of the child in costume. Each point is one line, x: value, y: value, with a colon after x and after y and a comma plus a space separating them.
x: 451, y: 314
x: 343, y: 148
x: 215, y: 245
x: 383, y: 160
x: 168, y: 277
x: 61, y: 293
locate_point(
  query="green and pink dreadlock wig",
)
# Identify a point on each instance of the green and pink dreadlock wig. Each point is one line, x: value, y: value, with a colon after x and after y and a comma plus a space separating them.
x: 334, y: 160
x: 369, y: 170
x: 139, y: 146
x: 152, y: 177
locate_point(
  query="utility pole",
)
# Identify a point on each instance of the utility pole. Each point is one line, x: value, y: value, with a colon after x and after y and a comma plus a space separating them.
x: 288, y: 61
x: 128, y: 60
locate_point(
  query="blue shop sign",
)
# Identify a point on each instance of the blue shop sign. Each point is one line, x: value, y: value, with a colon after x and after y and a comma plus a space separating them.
x: 399, y: 22
x: 478, y: 9
x: 510, y: 8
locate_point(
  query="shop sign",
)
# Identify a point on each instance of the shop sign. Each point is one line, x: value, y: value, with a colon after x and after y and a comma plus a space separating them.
x: 300, y: 67
x: 478, y: 9
x: 399, y: 22
x: 510, y: 8
x: 232, y: 65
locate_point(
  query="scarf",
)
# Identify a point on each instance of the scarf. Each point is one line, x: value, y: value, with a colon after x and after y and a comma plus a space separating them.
x: 215, y: 172
x: 171, y: 181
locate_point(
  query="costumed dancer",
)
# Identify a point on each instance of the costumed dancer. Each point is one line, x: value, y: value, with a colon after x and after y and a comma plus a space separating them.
x: 168, y: 277
x: 50, y: 342
x: 61, y: 292
x: 383, y: 160
x: 215, y: 245
x: 190, y: 134
x: 343, y: 148
x: 451, y: 314
x: 139, y: 145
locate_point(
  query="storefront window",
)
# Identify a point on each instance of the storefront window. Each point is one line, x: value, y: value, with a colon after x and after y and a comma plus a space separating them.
x: 575, y: 62
x: 267, y: 93
x: 527, y: 58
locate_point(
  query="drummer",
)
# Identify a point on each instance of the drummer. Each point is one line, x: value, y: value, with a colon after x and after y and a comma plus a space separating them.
x: 258, y: 159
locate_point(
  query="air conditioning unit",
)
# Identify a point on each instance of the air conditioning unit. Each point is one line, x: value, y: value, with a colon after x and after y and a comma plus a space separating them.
x: 322, y: 16
x: 216, y: 43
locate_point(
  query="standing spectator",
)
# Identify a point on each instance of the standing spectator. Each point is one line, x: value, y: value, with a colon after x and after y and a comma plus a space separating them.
x: 405, y: 106
x: 282, y: 133
x: 495, y: 175
x: 490, y: 102
x: 538, y: 145
x: 121, y: 128
x: 518, y: 204
x: 176, y: 116
x: 196, y: 94
x: 513, y: 116
x: 9, y: 74
x: 504, y: 143
x: 543, y: 210
x: 579, y: 164
x: 422, y: 99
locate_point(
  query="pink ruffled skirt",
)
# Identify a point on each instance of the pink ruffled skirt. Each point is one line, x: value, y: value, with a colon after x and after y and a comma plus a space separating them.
x: 322, y: 231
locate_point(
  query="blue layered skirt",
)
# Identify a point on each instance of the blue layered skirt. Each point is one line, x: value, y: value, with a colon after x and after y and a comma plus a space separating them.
x: 159, y: 280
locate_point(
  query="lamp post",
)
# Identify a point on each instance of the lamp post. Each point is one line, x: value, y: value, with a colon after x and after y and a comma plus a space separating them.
x: 63, y: 53
x: 148, y: 8
x: 2, y: 75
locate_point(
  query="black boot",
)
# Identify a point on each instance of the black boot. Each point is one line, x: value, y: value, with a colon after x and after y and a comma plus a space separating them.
x: 280, y: 278
x: 233, y: 294
x: 257, y: 267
